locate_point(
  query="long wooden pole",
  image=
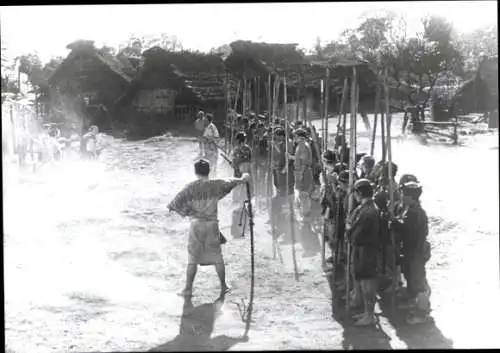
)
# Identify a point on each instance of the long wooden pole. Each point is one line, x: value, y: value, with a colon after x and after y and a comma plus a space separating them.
x: 297, y: 105
x: 276, y: 248
x: 321, y: 111
x: 227, y: 105
x: 377, y: 108
x: 391, y: 194
x: 345, y: 91
x: 289, y: 197
x: 304, y: 101
x: 352, y: 159
x: 327, y: 97
x: 245, y: 92
x: 236, y: 98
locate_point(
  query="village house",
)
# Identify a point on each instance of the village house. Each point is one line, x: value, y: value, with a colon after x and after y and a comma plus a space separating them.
x: 168, y: 90
x: 480, y: 94
x: 87, y: 84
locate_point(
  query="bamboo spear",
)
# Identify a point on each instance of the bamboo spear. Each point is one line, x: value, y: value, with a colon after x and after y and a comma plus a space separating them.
x: 327, y: 97
x: 297, y: 107
x: 375, y: 120
x: 391, y: 195
x: 227, y: 105
x: 276, y: 249
x: 321, y: 110
x: 352, y: 159
x: 245, y: 92
x: 290, y: 198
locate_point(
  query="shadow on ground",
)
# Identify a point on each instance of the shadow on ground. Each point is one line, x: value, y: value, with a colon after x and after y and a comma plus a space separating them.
x: 372, y: 337
x: 197, y: 324
x: 420, y: 336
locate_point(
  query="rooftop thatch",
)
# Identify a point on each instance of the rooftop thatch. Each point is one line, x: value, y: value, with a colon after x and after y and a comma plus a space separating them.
x: 87, y: 48
x: 262, y: 58
x: 201, y: 74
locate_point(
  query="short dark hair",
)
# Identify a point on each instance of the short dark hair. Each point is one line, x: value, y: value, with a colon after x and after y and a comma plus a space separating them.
x: 210, y: 117
x: 202, y: 167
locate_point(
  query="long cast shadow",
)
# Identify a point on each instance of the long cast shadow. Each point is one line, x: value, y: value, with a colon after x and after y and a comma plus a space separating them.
x: 372, y: 337
x: 419, y: 336
x: 197, y: 324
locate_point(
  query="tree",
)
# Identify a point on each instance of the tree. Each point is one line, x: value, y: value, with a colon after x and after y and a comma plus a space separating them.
x: 413, y: 64
x: 139, y: 43
x: 475, y: 45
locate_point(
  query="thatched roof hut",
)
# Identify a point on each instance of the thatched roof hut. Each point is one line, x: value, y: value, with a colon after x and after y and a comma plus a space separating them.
x: 198, y: 78
x: 86, y: 71
x: 479, y: 94
x: 259, y: 59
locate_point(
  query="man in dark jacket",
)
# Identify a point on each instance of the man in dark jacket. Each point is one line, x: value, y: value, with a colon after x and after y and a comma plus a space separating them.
x: 363, y: 233
x: 411, y: 229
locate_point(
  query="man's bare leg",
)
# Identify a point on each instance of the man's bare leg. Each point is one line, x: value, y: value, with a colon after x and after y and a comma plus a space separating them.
x: 221, y: 272
x: 190, y: 275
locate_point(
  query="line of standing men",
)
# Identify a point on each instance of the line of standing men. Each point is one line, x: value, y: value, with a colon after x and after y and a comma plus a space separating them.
x: 368, y: 227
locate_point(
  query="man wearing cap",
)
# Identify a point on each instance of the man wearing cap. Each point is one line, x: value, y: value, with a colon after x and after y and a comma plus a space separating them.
x: 342, y: 195
x: 198, y: 200
x: 382, y: 200
x: 211, y: 135
x: 363, y: 233
x: 411, y: 228
x: 328, y: 199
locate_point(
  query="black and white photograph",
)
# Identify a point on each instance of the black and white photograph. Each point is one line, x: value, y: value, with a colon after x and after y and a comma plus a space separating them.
x: 250, y: 176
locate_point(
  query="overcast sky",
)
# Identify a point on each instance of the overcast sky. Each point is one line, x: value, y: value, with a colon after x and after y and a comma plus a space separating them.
x: 48, y: 29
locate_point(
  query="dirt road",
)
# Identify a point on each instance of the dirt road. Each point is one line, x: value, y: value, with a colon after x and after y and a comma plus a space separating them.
x: 93, y: 260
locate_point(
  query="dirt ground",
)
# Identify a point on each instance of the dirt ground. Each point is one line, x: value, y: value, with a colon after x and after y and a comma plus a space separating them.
x: 93, y: 259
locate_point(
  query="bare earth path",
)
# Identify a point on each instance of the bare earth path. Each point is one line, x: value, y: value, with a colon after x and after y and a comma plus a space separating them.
x: 93, y: 260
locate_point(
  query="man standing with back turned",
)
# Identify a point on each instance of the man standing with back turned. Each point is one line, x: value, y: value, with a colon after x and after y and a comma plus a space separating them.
x: 198, y: 200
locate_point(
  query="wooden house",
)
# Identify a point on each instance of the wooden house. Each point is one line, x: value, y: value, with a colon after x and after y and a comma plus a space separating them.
x: 479, y: 94
x: 88, y: 83
x: 169, y: 88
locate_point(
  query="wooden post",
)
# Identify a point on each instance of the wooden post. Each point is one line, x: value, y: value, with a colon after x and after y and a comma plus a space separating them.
x: 391, y: 195
x: 382, y: 132
x: 297, y: 107
x: 327, y: 97
x: 227, y: 104
x: 356, y: 120
x: 345, y: 91
x: 352, y: 161
x: 237, y: 96
x: 276, y: 95
x: 377, y: 107
x: 257, y: 98
x: 304, y: 104
x: 269, y: 101
x: 321, y: 111
x: 289, y: 197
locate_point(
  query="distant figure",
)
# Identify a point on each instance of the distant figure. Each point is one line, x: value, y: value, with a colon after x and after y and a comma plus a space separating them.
x: 198, y: 200
x: 89, y: 143
x: 200, y: 125
x: 211, y: 136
